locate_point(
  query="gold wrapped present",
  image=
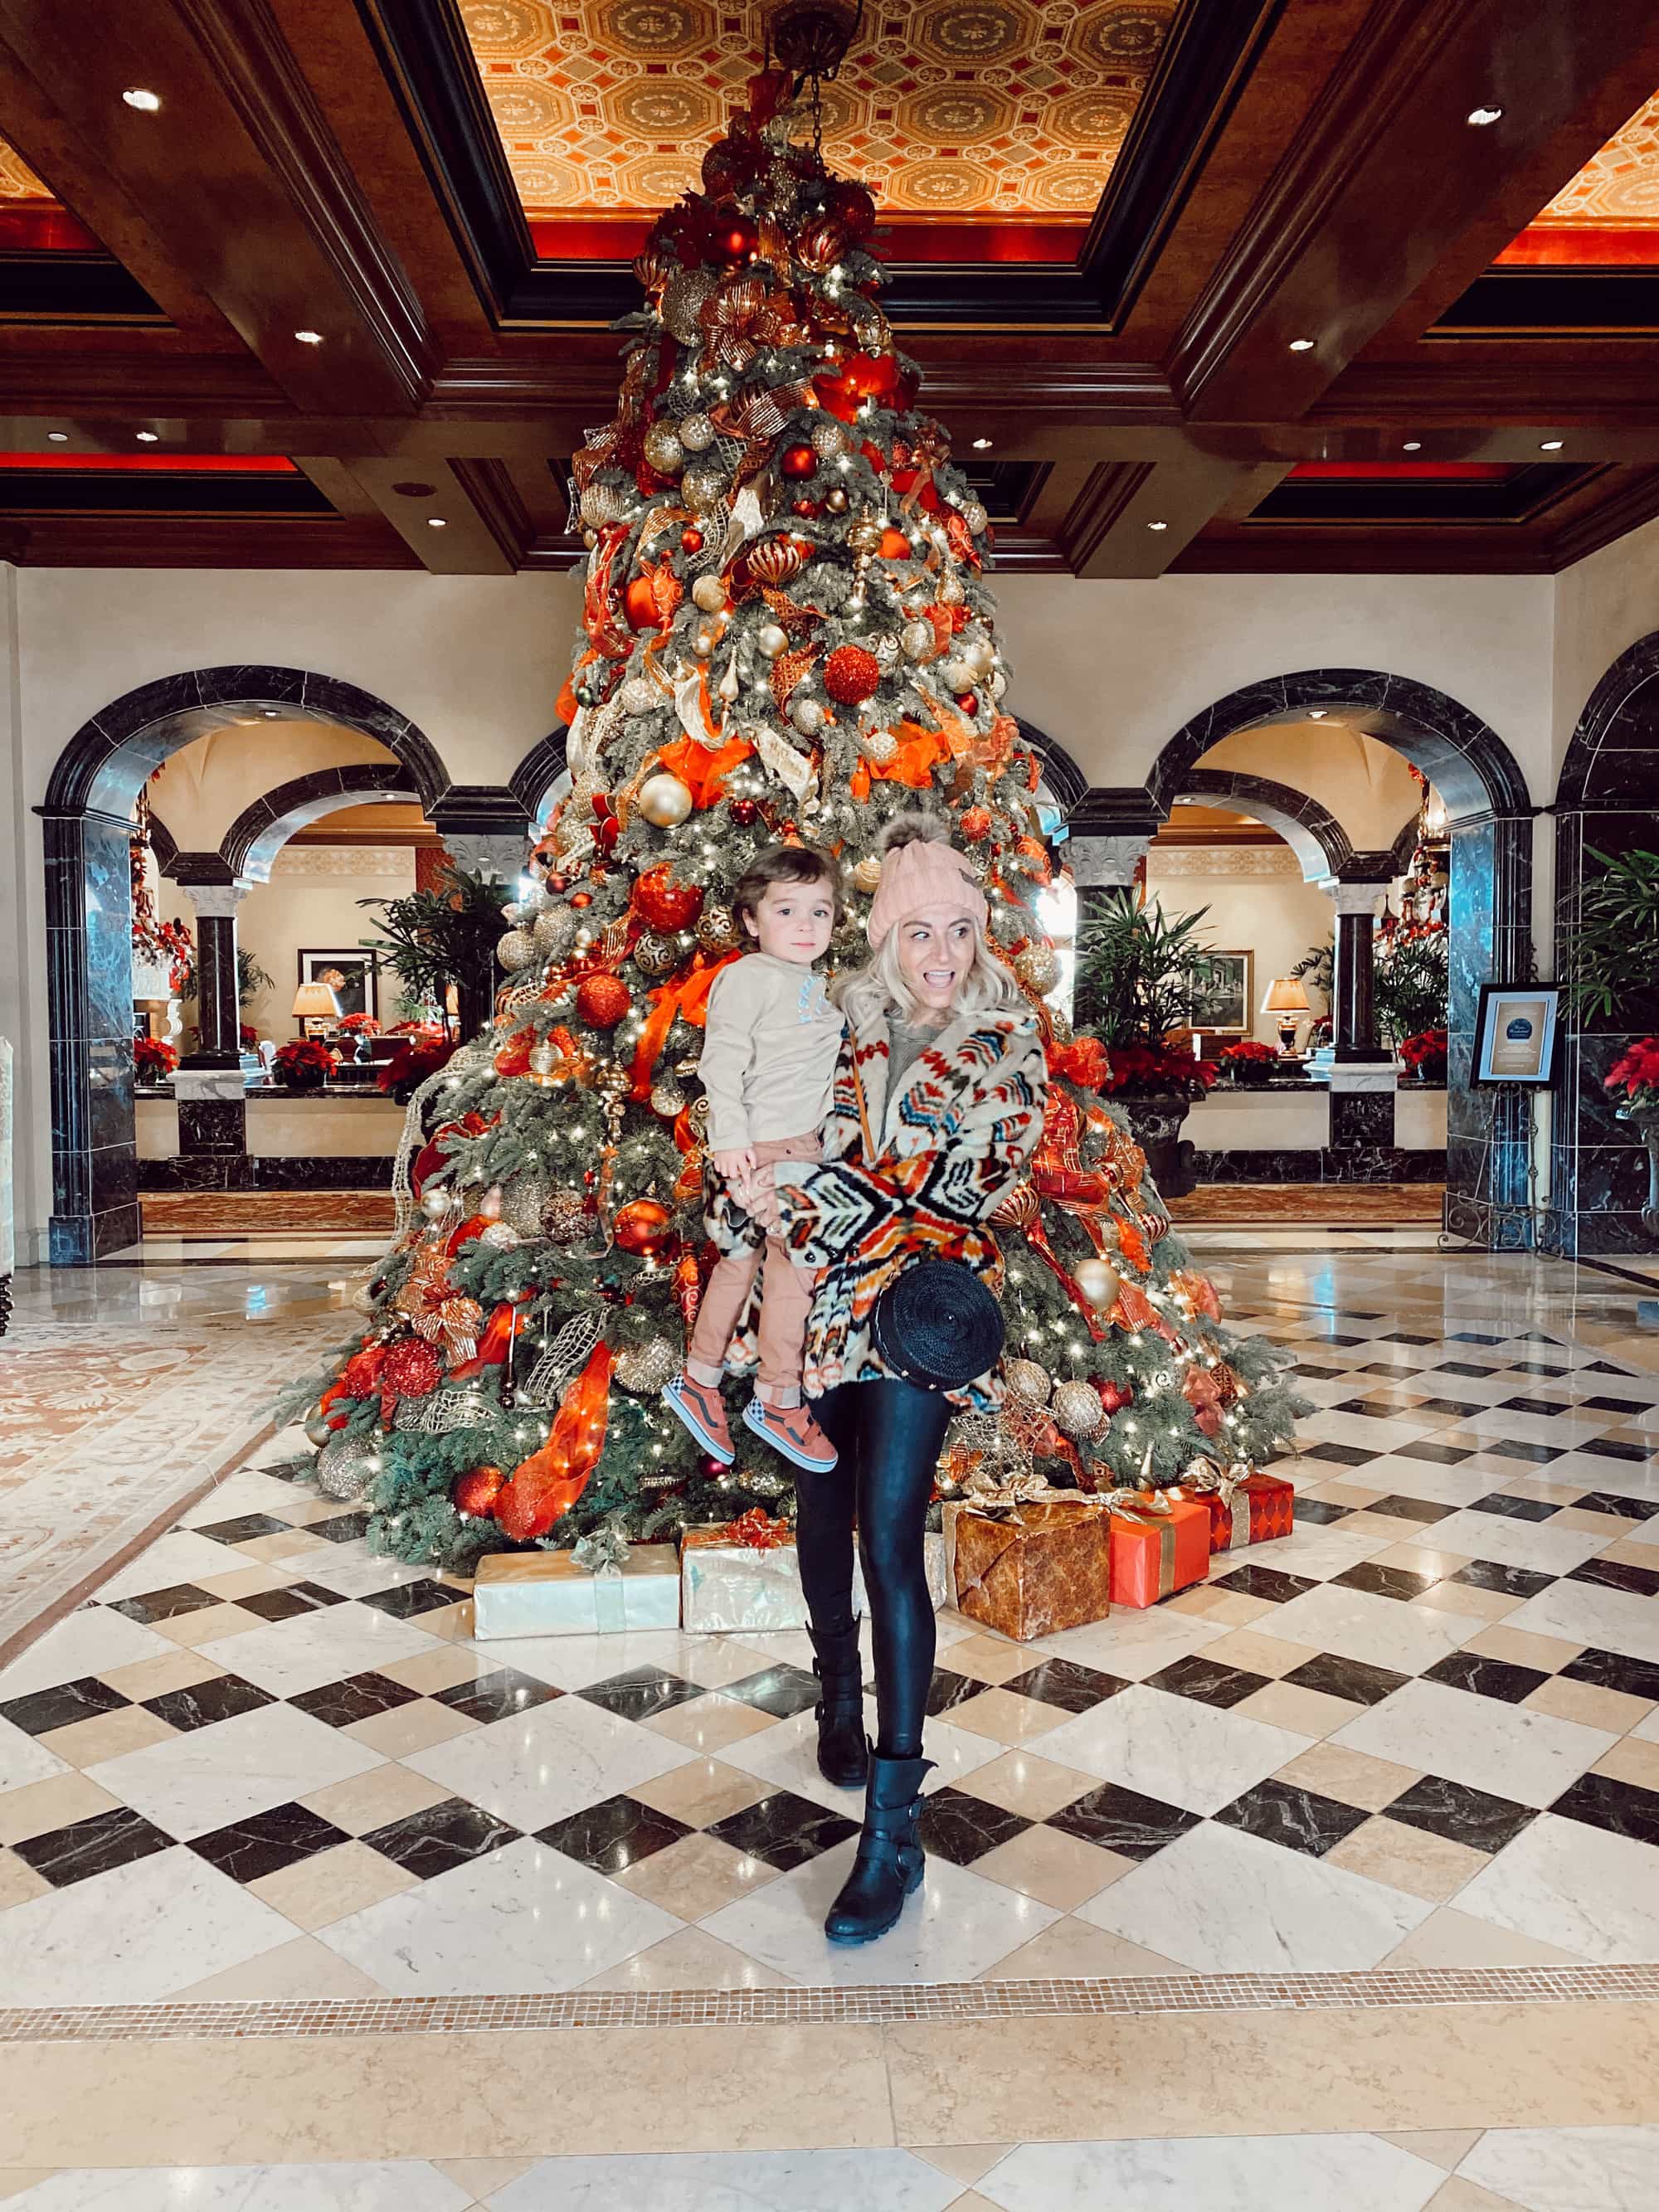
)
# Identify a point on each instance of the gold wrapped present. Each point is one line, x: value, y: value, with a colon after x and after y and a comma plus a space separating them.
x: 1031, y: 1566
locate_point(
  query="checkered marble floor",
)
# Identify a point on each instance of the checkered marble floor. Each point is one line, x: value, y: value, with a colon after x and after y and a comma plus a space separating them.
x: 1424, y: 1729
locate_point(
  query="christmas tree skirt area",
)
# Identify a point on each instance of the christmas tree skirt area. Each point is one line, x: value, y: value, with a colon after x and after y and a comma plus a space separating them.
x: 265, y: 1212
x: 1349, y: 1204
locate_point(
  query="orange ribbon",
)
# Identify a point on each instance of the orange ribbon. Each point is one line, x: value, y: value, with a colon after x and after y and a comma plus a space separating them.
x: 687, y: 998
x: 701, y: 769
x: 754, y: 1531
x: 547, y: 1485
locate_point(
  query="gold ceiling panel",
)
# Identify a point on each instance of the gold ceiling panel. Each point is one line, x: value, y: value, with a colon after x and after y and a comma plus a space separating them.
x: 17, y: 180
x: 1619, y: 189
x: 1003, y: 108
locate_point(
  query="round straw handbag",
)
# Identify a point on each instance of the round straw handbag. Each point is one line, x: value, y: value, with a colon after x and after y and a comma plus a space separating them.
x: 937, y: 1325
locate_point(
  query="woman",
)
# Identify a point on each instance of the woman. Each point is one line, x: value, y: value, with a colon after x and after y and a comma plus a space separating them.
x: 938, y: 1101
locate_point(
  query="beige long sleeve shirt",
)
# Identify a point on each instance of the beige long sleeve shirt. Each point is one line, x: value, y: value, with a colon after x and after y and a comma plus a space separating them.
x: 769, y: 1053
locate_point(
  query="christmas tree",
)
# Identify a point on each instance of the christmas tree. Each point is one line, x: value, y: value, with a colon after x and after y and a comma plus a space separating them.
x: 786, y: 633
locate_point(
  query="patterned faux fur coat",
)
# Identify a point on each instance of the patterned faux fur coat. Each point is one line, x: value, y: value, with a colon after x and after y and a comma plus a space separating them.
x: 918, y: 1184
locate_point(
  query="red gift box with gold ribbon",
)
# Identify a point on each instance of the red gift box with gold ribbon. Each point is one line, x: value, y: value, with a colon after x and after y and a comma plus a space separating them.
x: 1160, y: 1543
x: 1253, y: 1511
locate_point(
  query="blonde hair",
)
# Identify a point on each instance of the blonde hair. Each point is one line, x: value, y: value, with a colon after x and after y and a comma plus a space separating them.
x: 878, y: 990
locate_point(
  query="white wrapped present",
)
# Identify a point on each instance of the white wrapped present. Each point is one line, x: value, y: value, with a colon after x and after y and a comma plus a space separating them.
x: 556, y: 1594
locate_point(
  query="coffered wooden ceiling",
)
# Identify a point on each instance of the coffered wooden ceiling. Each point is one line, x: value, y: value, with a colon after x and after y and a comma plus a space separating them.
x: 1227, y: 285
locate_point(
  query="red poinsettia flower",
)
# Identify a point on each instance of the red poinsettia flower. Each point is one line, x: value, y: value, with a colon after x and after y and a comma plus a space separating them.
x: 1426, y: 1053
x: 1248, y: 1048
x: 1636, y: 1077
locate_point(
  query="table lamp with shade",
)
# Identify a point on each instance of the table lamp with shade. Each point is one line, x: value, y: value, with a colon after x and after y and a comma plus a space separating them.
x: 315, y: 1008
x: 1287, y: 997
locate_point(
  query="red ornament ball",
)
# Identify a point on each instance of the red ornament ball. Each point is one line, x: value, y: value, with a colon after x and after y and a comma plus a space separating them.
x: 743, y: 812
x: 969, y: 701
x: 691, y: 541
x: 806, y: 508
x: 896, y: 546
x: 1114, y: 1396
x: 581, y: 898
x: 710, y: 1468
x: 477, y: 1490
x: 411, y: 1370
x: 361, y: 1376
x: 851, y: 674
x: 663, y: 903
x: 733, y: 237
x: 852, y: 207
x: 975, y: 824
x: 602, y: 1001
x: 644, y: 1226
x: 799, y: 461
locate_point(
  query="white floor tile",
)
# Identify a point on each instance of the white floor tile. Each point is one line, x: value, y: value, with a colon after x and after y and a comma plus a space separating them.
x: 287, y: 1657
x: 956, y: 1926
x: 1131, y: 1643
x: 732, y: 2181
x: 1586, y: 1613
x: 246, y: 1491
x: 522, y: 1918
x: 192, y: 1784
x: 1217, y: 2174
x: 788, y: 1755
x: 1569, y: 2169
x: 1381, y: 1631
x: 1420, y: 1478
x: 353, y: 1570
x: 1507, y: 1750
x: 576, y: 1662
x: 1175, y: 1749
x: 178, y: 1557
x: 1540, y: 1544
x: 408, y: 2185
x: 23, y: 1760
x: 133, y: 1935
x: 1224, y: 1902
x: 536, y: 1767
x: 92, y: 1641
x: 1583, y: 1888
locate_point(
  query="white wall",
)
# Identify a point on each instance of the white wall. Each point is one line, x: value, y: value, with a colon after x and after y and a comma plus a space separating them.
x: 1277, y: 915
x: 1602, y: 606
x: 311, y: 900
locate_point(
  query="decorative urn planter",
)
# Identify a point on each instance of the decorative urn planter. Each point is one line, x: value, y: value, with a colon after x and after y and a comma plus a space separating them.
x: 1644, y: 1120
x: 1156, y: 1117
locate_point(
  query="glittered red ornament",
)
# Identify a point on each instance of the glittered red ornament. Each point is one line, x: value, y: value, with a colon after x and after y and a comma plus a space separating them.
x: 853, y: 208
x: 743, y: 812
x: 602, y: 1001
x: 691, y: 541
x: 799, y: 461
x: 805, y: 507
x: 851, y: 674
x: 361, y: 1376
x: 664, y: 904
x: 1114, y: 1396
x: 644, y: 1226
x: 477, y: 1490
x: 975, y: 824
x: 411, y: 1370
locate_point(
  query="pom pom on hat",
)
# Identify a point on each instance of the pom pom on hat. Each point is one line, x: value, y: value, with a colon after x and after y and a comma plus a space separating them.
x: 920, y: 869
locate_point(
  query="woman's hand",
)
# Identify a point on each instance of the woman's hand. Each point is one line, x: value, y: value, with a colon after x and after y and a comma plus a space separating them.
x: 738, y: 1167
x: 759, y: 1197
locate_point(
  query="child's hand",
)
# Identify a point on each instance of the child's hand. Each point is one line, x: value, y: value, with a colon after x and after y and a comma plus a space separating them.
x: 760, y: 1199
x: 735, y: 1167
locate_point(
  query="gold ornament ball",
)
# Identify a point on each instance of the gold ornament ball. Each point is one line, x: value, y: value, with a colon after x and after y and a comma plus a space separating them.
x: 877, y: 746
x: 959, y: 674
x: 717, y: 929
x: 698, y: 1119
x: 435, y: 1204
x: 663, y: 449
x: 807, y: 715
x: 866, y: 874
x: 1038, y: 968
x: 866, y: 535
x: 562, y: 1217
x: 501, y: 1237
x: 555, y: 932
x: 979, y: 654
x: 975, y: 516
x: 951, y: 592
x: 318, y: 1431
x: 703, y: 643
x: 644, y: 1368
x: 664, y: 801
x: 590, y: 538
x: 602, y: 503
x: 704, y: 487
x: 835, y: 500
x: 709, y: 592
x: 639, y: 695
x: 1078, y: 1411
x: 655, y: 953
x: 1027, y: 1379
x: 830, y: 438
x: 918, y: 640
x: 544, y: 1058
x: 772, y: 640
x: 998, y: 682
x: 668, y: 1100
x: 1061, y: 1022
x: 696, y: 433
x: 1099, y: 1283
x: 516, y: 950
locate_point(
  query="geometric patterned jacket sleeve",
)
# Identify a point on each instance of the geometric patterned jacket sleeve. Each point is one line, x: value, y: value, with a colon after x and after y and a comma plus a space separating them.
x: 918, y: 1184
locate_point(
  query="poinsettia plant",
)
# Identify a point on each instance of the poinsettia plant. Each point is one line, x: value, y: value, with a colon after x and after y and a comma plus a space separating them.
x: 303, y: 1063
x: 417, y: 1056
x: 1634, y: 1080
x: 153, y: 1058
x: 1425, y: 1054
x: 1138, y: 1070
x: 359, y: 1025
x: 1249, y: 1063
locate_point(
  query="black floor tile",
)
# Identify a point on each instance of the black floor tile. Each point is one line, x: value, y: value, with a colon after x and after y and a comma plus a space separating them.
x: 1601, y: 1800
x: 289, y: 1602
x: 1405, y: 1336
x: 265, y: 1843
x: 1357, y: 1680
x: 612, y: 1837
x: 784, y: 1830
x: 65, y: 1703
x: 1307, y: 1372
x: 961, y: 1828
x: 1460, y: 1408
x: 1495, y: 1575
x: 1538, y: 1367
x: 1622, y: 1509
x: 1320, y: 1511
x: 641, y: 1694
x: 165, y: 1604
x: 948, y: 1688
x: 1468, y: 1366
x: 1472, y: 1336
x: 1410, y: 1509
x: 342, y: 1528
x: 1616, y: 1447
x: 440, y: 1837
x: 244, y: 1527
x: 1534, y: 1455
x: 92, y: 1846
x: 1371, y: 1409
x: 407, y: 1601
x: 1545, y: 1405
x: 1435, y: 1454
x: 1615, y: 1670
x: 1064, y: 1684
x: 1207, y: 1681
x: 1301, y: 1819
x: 201, y: 1704
x: 1619, y: 1575
x: 1122, y: 1820
x: 1464, y: 1815
x: 1271, y: 1585
x: 1616, y: 1405
x: 781, y: 1690
x: 1487, y: 1677
x: 494, y: 1697
x: 358, y: 1698
x: 1515, y: 1508
x: 1339, y: 1454
x: 1402, y: 1583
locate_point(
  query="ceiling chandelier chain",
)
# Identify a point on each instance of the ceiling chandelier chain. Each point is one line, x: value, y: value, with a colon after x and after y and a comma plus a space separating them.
x: 810, y: 39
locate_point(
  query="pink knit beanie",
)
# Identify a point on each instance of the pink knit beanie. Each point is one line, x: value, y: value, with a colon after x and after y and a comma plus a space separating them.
x: 920, y: 870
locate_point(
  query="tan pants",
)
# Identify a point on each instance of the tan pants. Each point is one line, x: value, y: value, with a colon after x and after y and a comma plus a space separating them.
x: 786, y: 1290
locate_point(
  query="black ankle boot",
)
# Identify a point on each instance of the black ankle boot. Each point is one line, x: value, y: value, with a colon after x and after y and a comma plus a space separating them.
x: 843, y: 1756
x: 889, y: 1865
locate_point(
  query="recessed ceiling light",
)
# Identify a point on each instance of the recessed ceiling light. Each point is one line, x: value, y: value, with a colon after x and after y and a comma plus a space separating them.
x: 982, y: 445
x: 1484, y: 117
x: 309, y: 338
x: 148, y: 437
x: 1413, y: 446
x: 1317, y: 714
x: 1157, y: 525
x: 146, y: 102
x: 59, y: 437
x: 436, y: 522
x: 1302, y: 345
x: 1552, y: 445
x: 271, y: 713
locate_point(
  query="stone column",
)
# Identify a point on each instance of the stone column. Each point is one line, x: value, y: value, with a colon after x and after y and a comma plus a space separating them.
x: 207, y: 1086
x: 1362, y: 1077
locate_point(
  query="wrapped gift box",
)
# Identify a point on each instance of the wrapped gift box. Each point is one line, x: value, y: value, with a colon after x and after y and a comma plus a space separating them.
x: 1159, y: 1548
x: 1029, y: 1568
x: 729, y: 1582
x: 549, y: 1594
x: 1262, y: 1508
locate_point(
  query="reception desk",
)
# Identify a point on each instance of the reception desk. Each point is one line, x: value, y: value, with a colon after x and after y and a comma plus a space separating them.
x: 296, y: 1139
x: 1283, y: 1134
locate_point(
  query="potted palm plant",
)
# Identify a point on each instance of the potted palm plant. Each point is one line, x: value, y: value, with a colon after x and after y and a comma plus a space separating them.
x: 1137, y: 970
x: 1613, y: 957
x: 434, y: 939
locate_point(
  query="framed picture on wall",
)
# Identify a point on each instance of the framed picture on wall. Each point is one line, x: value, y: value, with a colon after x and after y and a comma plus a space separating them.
x: 1223, y: 1001
x: 353, y: 976
x: 1516, y: 1033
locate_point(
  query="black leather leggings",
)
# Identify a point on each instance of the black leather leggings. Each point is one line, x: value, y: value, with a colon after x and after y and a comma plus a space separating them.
x: 889, y: 1435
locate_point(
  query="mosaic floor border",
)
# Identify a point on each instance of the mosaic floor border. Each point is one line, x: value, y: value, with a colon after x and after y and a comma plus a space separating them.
x: 872, y: 2004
